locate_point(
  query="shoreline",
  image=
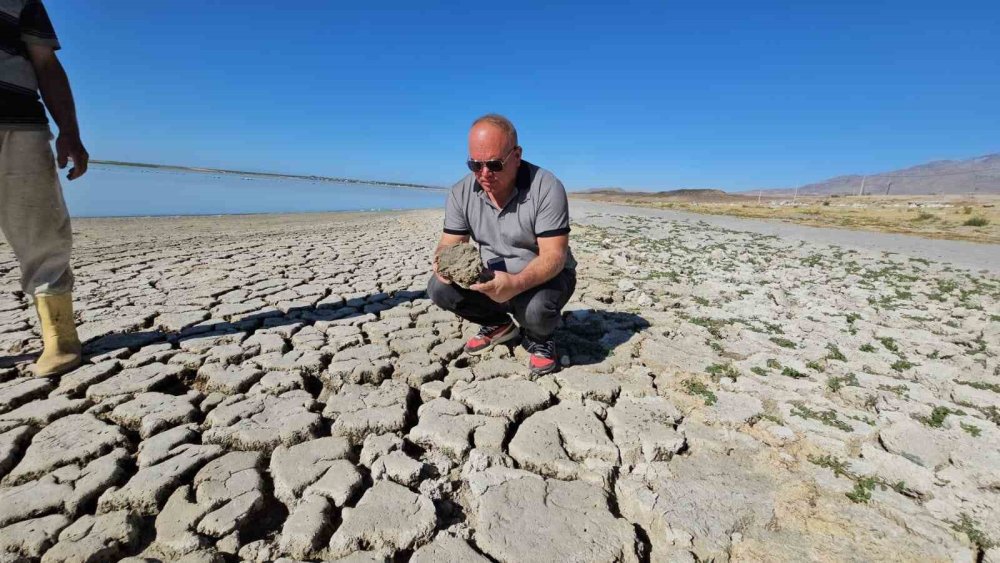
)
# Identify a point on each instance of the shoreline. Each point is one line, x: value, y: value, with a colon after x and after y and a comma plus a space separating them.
x: 261, y: 214
x: 274, y: 175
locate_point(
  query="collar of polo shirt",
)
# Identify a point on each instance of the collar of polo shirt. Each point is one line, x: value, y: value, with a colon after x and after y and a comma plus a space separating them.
x: 522, y: 183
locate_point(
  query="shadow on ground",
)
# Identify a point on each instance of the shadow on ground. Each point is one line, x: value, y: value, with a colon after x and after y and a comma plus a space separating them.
x: 590, y: 336
x: 587, y: 336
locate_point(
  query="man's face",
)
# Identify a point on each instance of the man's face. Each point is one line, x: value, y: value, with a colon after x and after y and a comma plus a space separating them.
x: 489, y: 142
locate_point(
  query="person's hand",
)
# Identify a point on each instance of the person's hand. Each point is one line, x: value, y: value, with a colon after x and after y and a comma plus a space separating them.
x: 441, y: 277
x: 502, y: 288
x: 70, y: 147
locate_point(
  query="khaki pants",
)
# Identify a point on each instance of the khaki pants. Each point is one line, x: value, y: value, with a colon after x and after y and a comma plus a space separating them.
x: 33, y: 214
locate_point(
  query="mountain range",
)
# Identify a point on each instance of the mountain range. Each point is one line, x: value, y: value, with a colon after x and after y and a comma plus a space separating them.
x: 980, y: 175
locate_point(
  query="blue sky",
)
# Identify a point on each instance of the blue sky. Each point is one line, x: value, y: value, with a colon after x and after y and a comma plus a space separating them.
x: 645, y: 95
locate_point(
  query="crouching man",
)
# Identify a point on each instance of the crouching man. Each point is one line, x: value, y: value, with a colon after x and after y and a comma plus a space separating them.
x: 519, y: 215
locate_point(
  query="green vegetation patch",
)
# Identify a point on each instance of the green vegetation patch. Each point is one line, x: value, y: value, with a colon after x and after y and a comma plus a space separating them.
x: 970, y: 528
x: 815, y: 366
x: 714, y: 326
x: 982, y: 386
x: 838, y: 466
x: 902, y: 365
x: 783, y: 342
x: 863, y: 484
x: 889, y: 344
x: 793, y: 373
x: 827, y: 417
x: 836, y: 383
x: 936, y: 419
x: 835, y: 353
x: 899, y: 390
x: 972, y: 429
x: 695, y: 387
x: 863, y: 488
x: 718, y: 371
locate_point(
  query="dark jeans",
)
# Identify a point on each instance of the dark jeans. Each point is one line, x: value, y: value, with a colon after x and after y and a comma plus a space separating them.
x: 537, y: 310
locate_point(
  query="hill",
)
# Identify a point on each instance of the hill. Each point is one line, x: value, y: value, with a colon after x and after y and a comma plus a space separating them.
x: 980, y: 175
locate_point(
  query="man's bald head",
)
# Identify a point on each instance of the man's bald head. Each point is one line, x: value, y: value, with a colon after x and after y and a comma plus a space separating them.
x: 500, y: 122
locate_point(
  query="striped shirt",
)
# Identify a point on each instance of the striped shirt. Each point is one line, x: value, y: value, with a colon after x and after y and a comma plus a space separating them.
x: 22, y: 23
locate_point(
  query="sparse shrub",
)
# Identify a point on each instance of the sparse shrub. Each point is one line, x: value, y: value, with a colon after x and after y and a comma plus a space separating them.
x: 975, y: 431
x: 968, y: 526
x: 981, y: 385
x: 902, y: 365
x: 759, y: 371
x: 866, y: 347
x: 695, y: 387
x: 946, y: 286
x: 936, y: 419
x: 966, y: 210
x: 889, y: 344
x: 899, y: 390
x: 838, y: 466
x: 783, y: 342
x: 976, y: 222
x: 827, y: 417
x: 924, y: 216
x: 719, y: 371
x: 863, y: 488
x: 793, y: 373
x: 835, y: 353
x: 835, y: 383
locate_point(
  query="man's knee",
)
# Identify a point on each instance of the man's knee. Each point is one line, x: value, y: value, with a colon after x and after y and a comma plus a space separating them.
x: 443, y: 295
x: 541, y: 315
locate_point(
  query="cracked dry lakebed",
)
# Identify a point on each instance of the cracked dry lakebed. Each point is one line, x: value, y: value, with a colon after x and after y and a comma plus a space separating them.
x: 279, y: 387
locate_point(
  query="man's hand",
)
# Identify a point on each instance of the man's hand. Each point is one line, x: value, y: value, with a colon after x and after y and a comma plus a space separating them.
x: 502, y: 288
x: 70, y: 147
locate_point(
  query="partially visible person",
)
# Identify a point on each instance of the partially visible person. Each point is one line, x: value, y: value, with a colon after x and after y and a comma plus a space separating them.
x: 33, y: 214
x: 519, y: 215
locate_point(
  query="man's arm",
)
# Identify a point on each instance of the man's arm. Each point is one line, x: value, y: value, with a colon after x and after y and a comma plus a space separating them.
x: 550, y: 261
x: 58, y: 97
x: 447, y: 240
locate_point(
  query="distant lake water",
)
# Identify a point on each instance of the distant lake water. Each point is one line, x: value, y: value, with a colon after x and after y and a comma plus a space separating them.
x: 115, y: 191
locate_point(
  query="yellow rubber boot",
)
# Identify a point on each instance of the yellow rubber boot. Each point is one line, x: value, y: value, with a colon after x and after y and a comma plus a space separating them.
x: 62, y: 346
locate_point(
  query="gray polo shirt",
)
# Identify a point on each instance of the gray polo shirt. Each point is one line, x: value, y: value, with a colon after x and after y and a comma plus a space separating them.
x: 537, y: 209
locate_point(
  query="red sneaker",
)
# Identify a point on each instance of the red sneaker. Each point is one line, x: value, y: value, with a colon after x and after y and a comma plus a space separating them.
x: 489, y: 336
x: 543, y: 356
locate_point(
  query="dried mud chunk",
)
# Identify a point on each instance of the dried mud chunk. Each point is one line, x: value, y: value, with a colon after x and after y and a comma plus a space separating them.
x: 461, y: 264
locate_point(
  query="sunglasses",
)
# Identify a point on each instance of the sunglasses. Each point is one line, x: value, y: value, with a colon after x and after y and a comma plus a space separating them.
x: 495, y: 165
